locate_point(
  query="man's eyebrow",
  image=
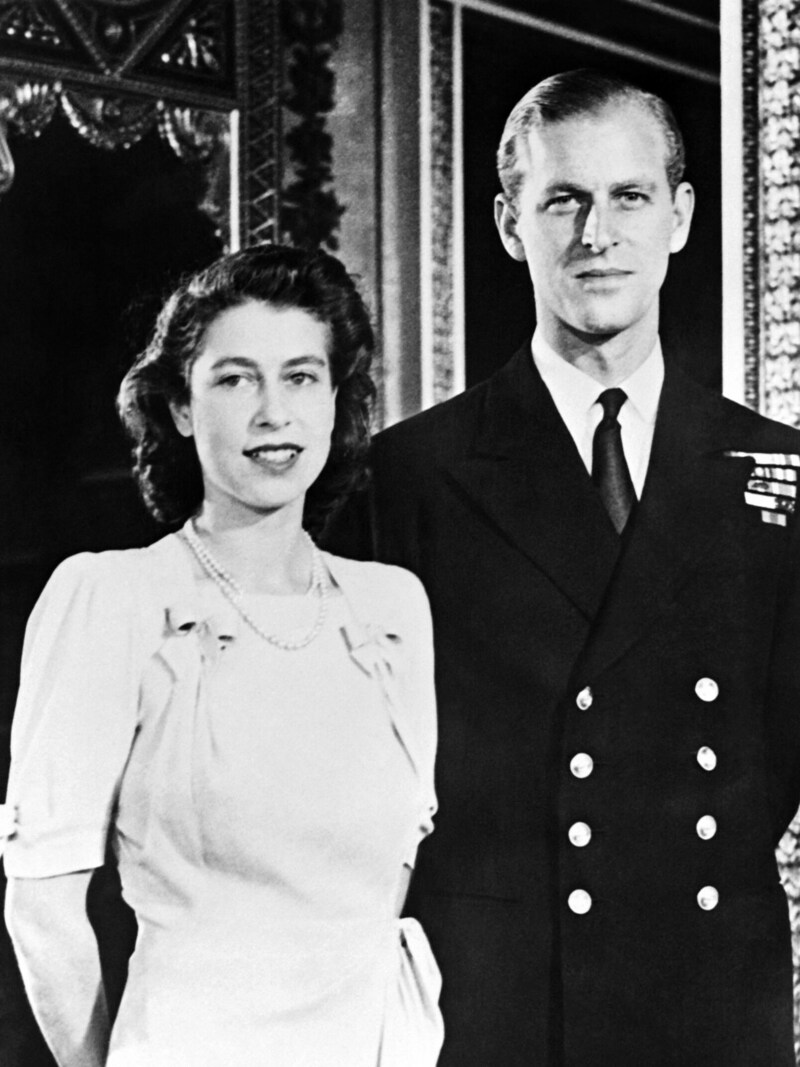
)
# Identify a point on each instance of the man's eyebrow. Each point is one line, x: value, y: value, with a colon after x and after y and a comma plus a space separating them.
x: 560, y: 188
x: 645, y: 184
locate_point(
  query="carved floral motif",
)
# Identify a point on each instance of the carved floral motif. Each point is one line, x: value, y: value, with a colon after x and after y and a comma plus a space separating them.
x: 442, y: 200
x: 779, y: 153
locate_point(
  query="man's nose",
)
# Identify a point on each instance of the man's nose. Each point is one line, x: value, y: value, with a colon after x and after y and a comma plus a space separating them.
x: 598, y: 229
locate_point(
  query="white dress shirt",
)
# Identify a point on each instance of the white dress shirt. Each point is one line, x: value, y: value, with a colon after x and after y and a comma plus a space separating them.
x: 575, y: 396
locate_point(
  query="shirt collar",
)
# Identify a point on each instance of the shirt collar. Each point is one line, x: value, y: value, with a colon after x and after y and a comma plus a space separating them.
x: 574, y: 392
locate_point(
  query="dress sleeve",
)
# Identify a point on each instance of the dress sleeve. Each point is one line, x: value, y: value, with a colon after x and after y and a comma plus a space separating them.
x: 419, y: 696
x: 75, y: 718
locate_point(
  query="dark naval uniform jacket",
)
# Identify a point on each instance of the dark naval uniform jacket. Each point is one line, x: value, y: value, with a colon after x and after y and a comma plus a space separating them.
x: 619, y: 727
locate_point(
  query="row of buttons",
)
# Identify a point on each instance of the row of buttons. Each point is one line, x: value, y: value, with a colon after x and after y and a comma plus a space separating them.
x: 580, y: 901
x: 580, y: 833
x: 705, y: 688
x: 581, y: 766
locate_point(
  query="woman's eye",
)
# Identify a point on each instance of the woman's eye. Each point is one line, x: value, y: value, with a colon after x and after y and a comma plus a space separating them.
x: 301, y: 377
x: 231, y: 381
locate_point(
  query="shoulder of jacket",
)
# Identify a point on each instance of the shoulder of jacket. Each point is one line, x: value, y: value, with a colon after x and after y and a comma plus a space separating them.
x: 437, y: 423
x: 124, y: 573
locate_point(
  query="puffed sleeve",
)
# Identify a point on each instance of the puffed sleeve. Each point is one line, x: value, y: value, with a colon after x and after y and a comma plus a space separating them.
x: 75, y: 718
x: 419, y: 697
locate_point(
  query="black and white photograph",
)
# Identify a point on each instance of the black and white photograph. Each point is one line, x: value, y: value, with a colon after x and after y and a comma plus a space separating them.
x: 399, y: 559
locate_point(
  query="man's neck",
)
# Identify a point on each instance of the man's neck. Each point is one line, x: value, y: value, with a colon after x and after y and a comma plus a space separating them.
x: 609, y: 360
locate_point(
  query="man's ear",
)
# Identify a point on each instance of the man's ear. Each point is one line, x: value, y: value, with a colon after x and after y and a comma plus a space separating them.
x: 505, y: 219
x: 682, y: 211
x: 182, y: 417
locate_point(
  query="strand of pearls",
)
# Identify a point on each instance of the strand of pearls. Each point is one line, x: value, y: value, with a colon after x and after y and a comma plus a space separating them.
x: 234, y: 592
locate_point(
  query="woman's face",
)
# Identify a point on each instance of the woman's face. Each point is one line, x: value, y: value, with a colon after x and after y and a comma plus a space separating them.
x: 261, y: 408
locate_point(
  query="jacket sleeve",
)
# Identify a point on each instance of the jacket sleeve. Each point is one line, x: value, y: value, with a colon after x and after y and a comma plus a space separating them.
x: 75, y: 718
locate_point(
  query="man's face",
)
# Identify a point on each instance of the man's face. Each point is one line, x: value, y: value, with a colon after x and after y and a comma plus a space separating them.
x: 596, y: 222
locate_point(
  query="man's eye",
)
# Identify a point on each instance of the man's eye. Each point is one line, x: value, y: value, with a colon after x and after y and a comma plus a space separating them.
x: 632, y: 198
x: 563, y: 202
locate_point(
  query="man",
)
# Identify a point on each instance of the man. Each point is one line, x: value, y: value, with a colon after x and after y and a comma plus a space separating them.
x: 611, y: 554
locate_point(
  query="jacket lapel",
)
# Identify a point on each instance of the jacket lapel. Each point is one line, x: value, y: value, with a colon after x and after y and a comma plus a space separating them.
x: 525, y: 477
x: 687, y: 496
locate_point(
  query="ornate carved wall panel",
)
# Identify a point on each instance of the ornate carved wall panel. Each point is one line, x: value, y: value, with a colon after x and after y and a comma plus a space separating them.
x: 247, y: 81
x: 774, y: 43
x: 442, y: 375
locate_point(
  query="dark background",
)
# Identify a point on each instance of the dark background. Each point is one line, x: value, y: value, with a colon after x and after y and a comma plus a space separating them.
x: 90, y: 243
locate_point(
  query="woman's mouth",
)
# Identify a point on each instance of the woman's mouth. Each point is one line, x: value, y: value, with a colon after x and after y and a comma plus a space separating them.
x: 274, y: 456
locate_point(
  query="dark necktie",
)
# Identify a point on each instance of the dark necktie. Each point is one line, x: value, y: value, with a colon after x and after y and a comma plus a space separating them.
x: 609, y: 470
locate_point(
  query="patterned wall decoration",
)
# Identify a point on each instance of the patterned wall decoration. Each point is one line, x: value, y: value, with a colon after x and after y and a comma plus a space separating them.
x: 119, y: 68
x: 779, y: 145
x: 260, y: 130
x: 751, y: 150
x: 439, y: 255
x: 310, y: 211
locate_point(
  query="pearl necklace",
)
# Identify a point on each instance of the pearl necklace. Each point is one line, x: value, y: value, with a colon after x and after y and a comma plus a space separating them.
x: 234, y: 592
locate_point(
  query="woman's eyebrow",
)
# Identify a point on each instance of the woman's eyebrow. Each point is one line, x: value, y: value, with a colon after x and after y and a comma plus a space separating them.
x: 296, y: 361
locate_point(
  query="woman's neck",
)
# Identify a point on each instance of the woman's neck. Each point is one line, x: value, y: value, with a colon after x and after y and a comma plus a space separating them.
x: 266, y: 554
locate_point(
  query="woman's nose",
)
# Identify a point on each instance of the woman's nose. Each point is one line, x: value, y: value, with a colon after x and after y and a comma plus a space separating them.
x: 272, y: 408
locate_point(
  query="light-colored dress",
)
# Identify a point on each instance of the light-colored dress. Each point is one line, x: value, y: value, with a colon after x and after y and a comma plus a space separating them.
x: 262, y: 804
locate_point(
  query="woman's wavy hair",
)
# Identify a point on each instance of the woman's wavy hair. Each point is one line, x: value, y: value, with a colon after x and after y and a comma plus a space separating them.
x: 166, y: 466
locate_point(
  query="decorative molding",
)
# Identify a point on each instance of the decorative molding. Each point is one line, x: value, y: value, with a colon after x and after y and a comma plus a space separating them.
x: 439, y: 329
x: 751, y: 153
x: 181, y: 50
x: 564, y: 30
x: 260, y: 60
x: 779, y: 83
x: 310, y: 210
x: 92, y: 58
x: 119, y: 68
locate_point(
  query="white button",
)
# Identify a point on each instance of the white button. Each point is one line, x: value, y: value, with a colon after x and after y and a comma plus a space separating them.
x: 707, y: 758
x: 579, y: 901
x: 580, y: 834
x: 585, y: 698
x: 708, y: 898
x: 581, y: 764
x: 707, y: 689
x: 706, y: 827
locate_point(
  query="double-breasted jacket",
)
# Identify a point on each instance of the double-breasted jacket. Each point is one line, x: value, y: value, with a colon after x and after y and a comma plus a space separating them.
x: 619, y: 727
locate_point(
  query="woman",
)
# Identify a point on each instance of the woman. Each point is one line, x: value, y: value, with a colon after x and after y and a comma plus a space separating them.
x: 249, y: 721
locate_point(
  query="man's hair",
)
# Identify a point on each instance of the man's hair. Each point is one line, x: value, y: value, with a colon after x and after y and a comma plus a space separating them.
x: 575, y: 93
x: 166, y: 466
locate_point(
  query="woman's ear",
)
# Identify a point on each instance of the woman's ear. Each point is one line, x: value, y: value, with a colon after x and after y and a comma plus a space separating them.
x: 182, y: 417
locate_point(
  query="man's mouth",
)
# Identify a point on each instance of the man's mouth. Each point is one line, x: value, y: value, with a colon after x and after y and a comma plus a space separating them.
x: 603, y: 272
